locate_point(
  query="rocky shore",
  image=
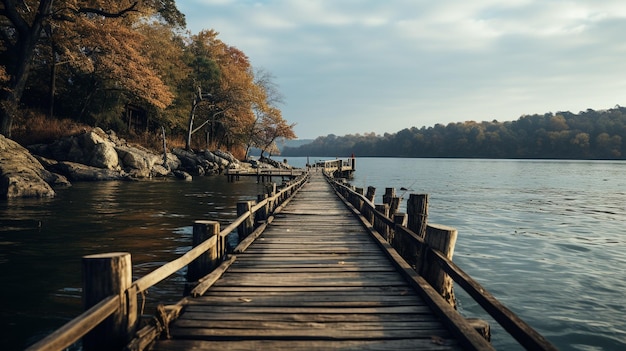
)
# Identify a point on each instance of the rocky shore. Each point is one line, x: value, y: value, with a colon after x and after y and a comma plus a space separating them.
x: 97, y: 155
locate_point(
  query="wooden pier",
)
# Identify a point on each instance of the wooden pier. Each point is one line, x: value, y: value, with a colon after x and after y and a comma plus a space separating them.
x: 339, y: 168
x: 319, y: 267
x: 314, y: 280
x: 264, y: 175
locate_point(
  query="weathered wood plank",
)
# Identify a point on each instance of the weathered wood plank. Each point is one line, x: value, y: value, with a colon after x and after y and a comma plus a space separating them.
x: 313, y: 280
x: 337, y: 268
x: 433, y: 344
x: 322, y: 332
x: 315, y: 317
x: 345, y: 300
x: 243, y: 308
x: 416, y: 326
x: 309, y: 289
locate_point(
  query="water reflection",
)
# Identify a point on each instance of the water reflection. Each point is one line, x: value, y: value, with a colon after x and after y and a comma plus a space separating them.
x: 42, y: 241
x: 545, y: 237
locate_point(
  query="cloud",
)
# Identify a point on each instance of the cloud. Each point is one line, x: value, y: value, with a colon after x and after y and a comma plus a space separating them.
x: 360, y: 66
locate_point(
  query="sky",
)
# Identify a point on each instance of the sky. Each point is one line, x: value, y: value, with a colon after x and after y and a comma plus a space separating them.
x: 356, y: 67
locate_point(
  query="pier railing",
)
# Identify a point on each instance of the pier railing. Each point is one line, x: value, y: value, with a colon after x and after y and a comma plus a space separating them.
x: 263, y: 174
x: 110, y: 296
x: 428, y: 249
x: 339, y: 168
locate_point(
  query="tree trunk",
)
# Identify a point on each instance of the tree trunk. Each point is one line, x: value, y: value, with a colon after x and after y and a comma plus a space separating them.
x: 22, y: 54
x: 8, y: 109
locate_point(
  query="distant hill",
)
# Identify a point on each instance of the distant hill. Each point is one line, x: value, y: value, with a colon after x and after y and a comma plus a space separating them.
x: 563, y: 135
x: 281, y: 145
x: 294, y: 143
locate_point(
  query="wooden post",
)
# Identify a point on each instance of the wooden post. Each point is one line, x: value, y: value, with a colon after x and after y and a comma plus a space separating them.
x: 481, y: 326
x: 371, y: 193
x: 203, y: 265
x: 390, y: 193
x: 400, y: 221
x: 271, y: 189
x: 417, y: 209
x: 393, y: 206
x: 262, y: 214
x: 105, y: 275
x: 379, y: 225
x: 247, y: 226
x: 358, y: 201
x: 441, y: 238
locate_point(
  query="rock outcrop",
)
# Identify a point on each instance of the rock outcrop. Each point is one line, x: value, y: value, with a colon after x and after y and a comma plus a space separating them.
x: 77, y: 172
x: 276, y: 164
x: 205, y: 162
x: 108, y: 156
x: 21, y: 175
x: 96, y: 156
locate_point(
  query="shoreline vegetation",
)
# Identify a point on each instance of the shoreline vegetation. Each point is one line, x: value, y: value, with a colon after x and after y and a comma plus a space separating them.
x: 54, y: 153
x: 132, y: 68
x: 122, y: 91
x: 588, y: 135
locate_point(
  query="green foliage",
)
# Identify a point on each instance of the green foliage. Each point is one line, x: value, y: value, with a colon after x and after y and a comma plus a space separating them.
x: 587, y: 135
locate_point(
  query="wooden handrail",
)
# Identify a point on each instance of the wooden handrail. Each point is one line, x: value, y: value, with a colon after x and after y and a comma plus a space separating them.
x: 170, y: 268
x: 159, y: 274
x: 515, y: 326
x: 78, y: 327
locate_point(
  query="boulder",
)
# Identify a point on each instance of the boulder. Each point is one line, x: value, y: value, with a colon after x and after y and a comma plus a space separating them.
x: 172, y: 162
x: 210, y: 167
x: 226, y: 155
x: 134, y: 158
x: 91, y: 148
x: 212, y: 157
x: 80, y: 172
x: 21, y: 175
x: 159, y: 171
x: 189, y: 160
x: 55, y: 180
x: 183, y: 175
x: 274, y: 163
x: 104, y: 155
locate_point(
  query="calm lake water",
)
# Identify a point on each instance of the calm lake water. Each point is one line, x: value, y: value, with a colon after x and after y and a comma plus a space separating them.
x: 547, y: 238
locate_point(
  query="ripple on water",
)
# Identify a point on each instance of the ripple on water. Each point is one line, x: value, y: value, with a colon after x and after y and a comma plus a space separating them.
x: 572, y: 247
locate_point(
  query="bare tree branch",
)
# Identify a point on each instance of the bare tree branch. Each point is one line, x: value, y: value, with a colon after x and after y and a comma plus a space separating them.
x: 58, y: 14
x: 108, y: 14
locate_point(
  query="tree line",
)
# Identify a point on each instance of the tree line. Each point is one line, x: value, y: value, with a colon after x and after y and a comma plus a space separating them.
x: 564, y: 135
x: 132, y: 66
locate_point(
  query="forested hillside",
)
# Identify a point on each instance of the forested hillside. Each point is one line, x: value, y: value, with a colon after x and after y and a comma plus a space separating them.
x: 134, y: 68
x: 587, y: 135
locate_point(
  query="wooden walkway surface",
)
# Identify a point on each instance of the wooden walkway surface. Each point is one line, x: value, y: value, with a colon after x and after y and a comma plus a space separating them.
x: 314, y: 280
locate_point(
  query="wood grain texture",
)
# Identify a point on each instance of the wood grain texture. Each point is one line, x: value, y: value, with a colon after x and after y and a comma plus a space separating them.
x: 314, y: 280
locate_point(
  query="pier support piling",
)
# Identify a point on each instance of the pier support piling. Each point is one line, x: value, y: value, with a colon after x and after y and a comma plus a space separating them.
x: 107, y: 275
x: 247, y: 226
x: 203, y: 265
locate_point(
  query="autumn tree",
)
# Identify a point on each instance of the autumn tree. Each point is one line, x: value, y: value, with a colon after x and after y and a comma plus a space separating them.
x: 267, y: 116
x: 95, y: 37
x: 274, y: 127
x: 230, y: 90
x: 166, y: 51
